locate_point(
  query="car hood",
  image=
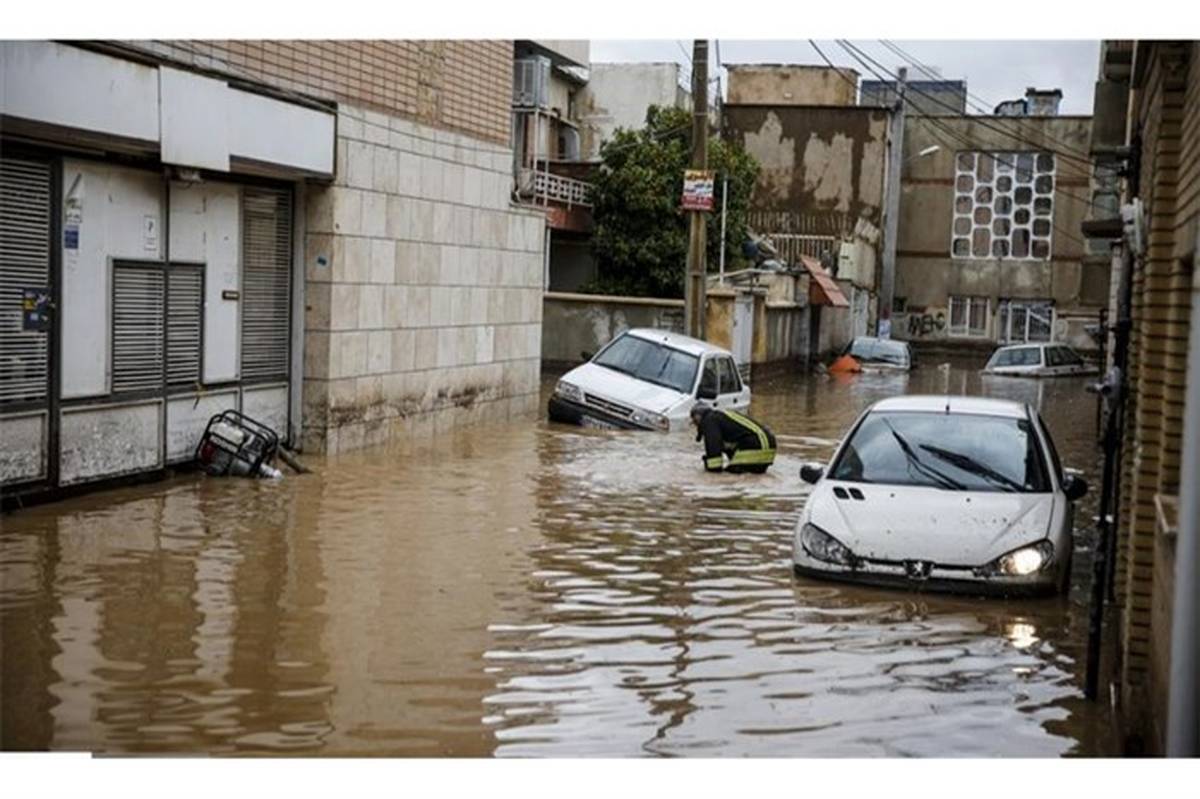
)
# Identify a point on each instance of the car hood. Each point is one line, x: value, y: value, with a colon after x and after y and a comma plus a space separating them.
x: 960, y: 528
x: 623, y: 388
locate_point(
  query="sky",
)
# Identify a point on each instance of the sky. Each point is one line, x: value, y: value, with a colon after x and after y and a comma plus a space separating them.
x: 994, y: 70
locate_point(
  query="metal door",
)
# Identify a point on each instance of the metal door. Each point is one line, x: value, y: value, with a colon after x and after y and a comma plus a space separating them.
x: 27, y: 299
x: 743, y: 332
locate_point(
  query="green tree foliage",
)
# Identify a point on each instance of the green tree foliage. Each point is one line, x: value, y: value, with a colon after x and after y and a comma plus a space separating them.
x: 641, y: 235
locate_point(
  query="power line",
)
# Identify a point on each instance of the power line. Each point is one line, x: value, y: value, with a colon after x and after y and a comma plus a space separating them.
x: 859, y: 55
x: 941, y: 126
x: 982, y: 105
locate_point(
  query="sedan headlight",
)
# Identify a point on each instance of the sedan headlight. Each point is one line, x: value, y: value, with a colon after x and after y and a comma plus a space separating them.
x: 655, y: 421
x: 822, y: 546
x: 1024, y: 561
x: 568, y: 391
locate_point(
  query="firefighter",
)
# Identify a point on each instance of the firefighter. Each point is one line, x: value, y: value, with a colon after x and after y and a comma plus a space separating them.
x: 749, y: 445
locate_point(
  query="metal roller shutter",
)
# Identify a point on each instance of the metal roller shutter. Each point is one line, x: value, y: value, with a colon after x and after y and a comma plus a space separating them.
x: 24, y: 264
x: 185, y: 308
x: 137, y: 327
x: 266, y: 282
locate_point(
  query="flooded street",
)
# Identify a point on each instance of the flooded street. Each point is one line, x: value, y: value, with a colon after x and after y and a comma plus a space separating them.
x: 527, y: 589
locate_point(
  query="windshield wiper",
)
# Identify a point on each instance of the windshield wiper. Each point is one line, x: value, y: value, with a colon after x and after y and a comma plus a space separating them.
x: 969, y: 464
x: 945, y: 480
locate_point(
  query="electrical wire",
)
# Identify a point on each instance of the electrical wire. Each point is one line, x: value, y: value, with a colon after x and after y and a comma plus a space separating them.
x: 859, y: 55
x: 962, y: 139
x: 981, y: 105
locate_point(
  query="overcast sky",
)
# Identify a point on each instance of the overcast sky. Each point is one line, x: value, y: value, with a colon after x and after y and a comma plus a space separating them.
x: 994, y: 70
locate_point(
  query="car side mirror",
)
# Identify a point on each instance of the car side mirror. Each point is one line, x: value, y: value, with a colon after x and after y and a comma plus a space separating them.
x: 706, y: 393
x: 1074, y: 487
x: 587, y: 356
x: 811, y: 472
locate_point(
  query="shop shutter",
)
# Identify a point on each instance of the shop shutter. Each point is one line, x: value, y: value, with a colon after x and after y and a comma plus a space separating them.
x: 266, y: 282
x: 137, y: 327
x: 24, y: 264
x: 185, y: 304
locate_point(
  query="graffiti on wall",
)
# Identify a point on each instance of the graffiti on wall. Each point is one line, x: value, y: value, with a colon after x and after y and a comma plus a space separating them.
x: 929, y: 323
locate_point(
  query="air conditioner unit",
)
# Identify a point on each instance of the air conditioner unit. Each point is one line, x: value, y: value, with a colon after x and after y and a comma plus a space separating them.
x: 531, y: 82
x: 1133, y: 217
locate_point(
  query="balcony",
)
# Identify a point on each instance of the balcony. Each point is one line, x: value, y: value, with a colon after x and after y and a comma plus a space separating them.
x: 567, y: 200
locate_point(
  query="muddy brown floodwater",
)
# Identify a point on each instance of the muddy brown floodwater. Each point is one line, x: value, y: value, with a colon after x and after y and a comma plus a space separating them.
x: 527, y: 589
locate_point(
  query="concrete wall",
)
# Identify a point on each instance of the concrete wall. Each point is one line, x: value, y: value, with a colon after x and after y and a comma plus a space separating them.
x: 791, y: 84
x: 423, y: 287
x: 822, y: 169
x: 926, y: 272
x: 617, y: 96
x: 577, y: 323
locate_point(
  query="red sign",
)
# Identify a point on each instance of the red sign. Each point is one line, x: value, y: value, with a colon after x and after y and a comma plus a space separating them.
x: 697, y: 190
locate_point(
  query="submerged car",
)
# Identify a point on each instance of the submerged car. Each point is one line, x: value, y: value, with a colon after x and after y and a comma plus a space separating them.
x: 942, y: 493
x: 880, y: 354
x: 1037, y: 360
x: 648, y: 379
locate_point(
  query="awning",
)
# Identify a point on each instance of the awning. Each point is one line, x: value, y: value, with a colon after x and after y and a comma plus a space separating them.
x: 823, y: 289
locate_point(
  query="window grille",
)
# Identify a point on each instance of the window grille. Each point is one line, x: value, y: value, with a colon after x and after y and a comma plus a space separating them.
x: 185, y: 310
x: 266, y: 283
x: 1003, y: 205
x: 137, y: 327
x: 968, y: 317
x: 24, y: 264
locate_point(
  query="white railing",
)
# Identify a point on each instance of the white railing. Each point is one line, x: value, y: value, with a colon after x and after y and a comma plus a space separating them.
x: 546, y: 186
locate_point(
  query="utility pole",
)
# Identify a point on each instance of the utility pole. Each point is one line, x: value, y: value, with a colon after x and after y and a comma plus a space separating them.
x: 694, y: 302
x: 891, y: 220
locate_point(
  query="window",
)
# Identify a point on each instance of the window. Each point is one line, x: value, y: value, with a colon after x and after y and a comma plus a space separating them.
x: 24, y: 272
x: 1062, y: 356
x: 1017, y: 356
x: 709, y: 384
x: 147, y: 297
x: 953, y: 451
x: 1025, y: 320
x: 969, y: 317
x: 1003, y: 205
x: 266, y: 283
x: 728, y: 376
x: 652, y: 362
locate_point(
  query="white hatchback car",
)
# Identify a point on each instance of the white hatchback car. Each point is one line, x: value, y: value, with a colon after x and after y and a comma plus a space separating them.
x: 1037, y: 360
x: 944, y: 493
x: 648, y: 379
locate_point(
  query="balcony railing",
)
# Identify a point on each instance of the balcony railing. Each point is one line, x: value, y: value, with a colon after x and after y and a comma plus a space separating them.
x: 548, y: 187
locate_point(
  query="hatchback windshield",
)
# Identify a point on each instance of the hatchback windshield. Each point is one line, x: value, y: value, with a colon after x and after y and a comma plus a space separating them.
x: 880, y: 350
x: 958, y: 452
x: 650, y: 361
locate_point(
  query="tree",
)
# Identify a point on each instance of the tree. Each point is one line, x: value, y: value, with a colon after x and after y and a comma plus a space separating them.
x: 640, y: 235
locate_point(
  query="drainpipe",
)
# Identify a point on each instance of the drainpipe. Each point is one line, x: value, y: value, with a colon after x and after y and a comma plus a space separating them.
x: 1183, y: 738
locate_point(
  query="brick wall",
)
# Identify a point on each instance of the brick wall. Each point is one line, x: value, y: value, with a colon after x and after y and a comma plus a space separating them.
x: 1164, y: 113
x: 459, y: 85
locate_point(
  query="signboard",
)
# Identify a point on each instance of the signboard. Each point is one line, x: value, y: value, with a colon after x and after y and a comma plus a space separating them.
x: 697, y: 190
x: 35, y: 310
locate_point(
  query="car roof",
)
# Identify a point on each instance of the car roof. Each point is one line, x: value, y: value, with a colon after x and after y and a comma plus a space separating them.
x: 1039, y: 344
x: 678, y: 341
x: 941, y: 403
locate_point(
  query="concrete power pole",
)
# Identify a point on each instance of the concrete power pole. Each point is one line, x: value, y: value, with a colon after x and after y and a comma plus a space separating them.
x: 694, y: 288
x: 891, y: 220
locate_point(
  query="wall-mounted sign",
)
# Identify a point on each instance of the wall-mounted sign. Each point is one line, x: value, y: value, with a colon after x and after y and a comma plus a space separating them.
x: 150, y: 232
x: 227, y: 294
x: 697, y: 190
x: 35, y: 310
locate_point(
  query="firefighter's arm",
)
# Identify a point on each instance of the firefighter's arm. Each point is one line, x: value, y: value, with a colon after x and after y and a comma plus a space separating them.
x: 714, y: 459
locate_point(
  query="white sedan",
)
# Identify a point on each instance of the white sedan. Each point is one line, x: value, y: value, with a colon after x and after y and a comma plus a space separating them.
x: 648, y: 379
x: 945, y: 493
x: 1037, y: 360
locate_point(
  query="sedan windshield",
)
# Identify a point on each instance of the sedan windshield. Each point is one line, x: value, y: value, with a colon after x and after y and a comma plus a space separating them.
x: 650, y: 361
x: 958, y: 452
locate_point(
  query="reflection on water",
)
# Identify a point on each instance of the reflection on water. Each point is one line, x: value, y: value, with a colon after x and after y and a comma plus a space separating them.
x: 525, y: 589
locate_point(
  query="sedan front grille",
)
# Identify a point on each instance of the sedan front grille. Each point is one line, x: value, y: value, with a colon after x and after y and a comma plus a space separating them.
x: 615, y: 408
